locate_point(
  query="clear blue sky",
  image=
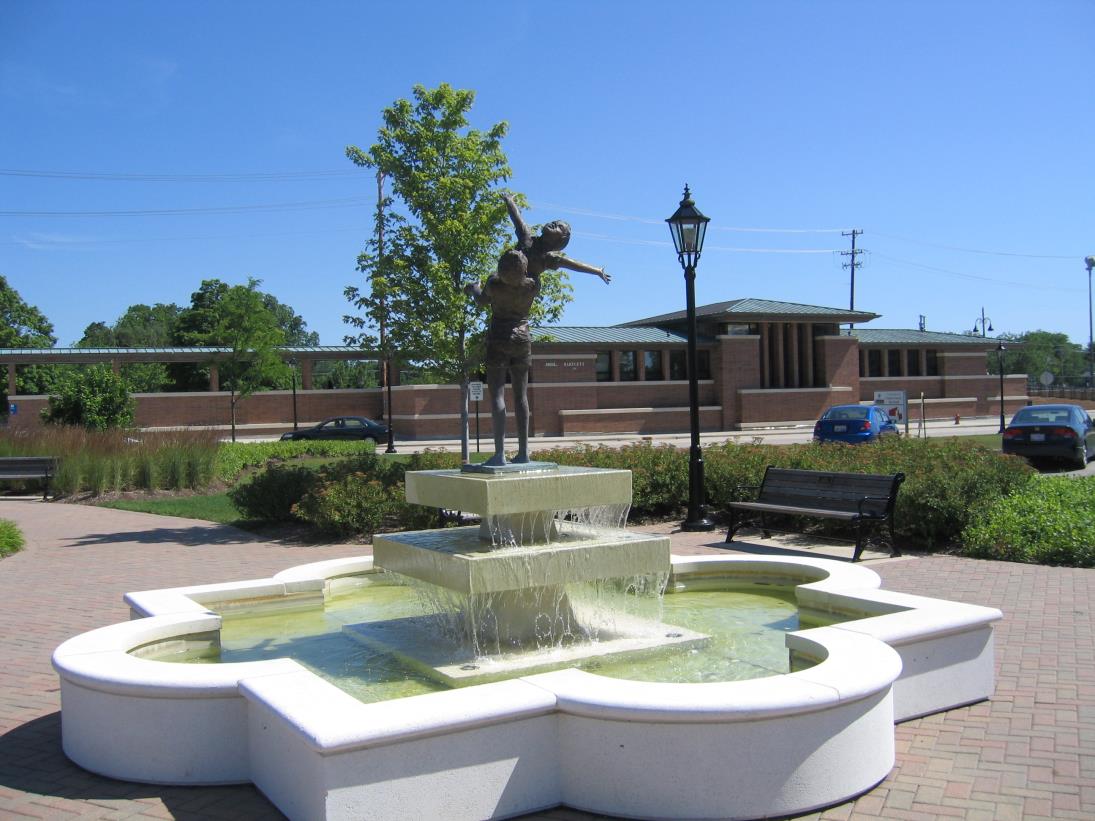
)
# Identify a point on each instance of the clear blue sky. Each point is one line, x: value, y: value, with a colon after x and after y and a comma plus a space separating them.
x: 958, y: 136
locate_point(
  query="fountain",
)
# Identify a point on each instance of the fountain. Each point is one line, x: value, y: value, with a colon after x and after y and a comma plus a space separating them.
x: 490, y: 748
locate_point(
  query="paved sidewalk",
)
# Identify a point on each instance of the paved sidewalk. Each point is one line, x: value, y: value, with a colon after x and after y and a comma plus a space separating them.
x: 1027, y: 753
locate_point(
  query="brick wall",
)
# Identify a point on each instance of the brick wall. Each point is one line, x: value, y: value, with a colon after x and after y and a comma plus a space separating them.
x: 739, y: 367
x: 789, y: 404
x: 838, y: 358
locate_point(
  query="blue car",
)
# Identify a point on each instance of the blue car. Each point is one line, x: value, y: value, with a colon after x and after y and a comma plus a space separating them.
x: 853, y: 424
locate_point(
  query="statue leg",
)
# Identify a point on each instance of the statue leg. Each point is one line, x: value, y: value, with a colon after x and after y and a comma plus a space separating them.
x: 496, y: 384
x: 519, y: 375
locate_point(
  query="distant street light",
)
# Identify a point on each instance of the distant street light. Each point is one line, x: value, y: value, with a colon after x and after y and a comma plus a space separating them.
x: 1000, y: 363
x: 983, y: 321
x: 1090, y: 263
x: 293, y: 373
x: 688, y: 226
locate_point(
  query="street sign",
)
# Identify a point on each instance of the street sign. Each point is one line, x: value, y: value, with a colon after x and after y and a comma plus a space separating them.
x: 13, y: 409
x: 1046, y: 378
x: 895, y: 404
x: 475, y: 391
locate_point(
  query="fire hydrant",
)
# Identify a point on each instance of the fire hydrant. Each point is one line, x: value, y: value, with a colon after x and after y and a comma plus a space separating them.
x: 957, y: 419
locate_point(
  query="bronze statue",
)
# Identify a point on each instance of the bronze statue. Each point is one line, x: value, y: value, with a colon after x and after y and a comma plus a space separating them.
x: 510, y: 293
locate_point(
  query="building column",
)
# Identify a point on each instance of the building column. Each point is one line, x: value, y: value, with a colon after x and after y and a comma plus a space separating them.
x: 665, y: 365
x: 765, y: 354
x: 306, y: 374
x: 777, y: 352
x: 214, y: 378
x: 885, y: 361
x: 11, y: 379
x: 808, y: 329
x: 640, y: 366
x: 796, y: 368
x: 923, y: 361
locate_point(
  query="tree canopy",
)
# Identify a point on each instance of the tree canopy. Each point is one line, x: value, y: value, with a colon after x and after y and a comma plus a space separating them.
x: 445, y: 226
x: 1036, y: 352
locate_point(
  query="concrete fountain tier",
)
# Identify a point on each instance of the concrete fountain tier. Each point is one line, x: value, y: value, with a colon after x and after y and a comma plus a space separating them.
x: 510, y: 596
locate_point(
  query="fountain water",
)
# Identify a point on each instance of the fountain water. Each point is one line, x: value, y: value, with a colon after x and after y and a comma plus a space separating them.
x: 518, y: 592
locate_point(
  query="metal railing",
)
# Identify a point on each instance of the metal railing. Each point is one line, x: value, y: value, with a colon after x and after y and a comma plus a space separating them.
x: 1061, y: 392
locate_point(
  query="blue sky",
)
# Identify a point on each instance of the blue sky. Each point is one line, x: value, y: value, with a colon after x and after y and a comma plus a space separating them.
x: 957, y: 136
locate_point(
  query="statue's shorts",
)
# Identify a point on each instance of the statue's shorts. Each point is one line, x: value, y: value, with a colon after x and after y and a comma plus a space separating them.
x: 506, y: 353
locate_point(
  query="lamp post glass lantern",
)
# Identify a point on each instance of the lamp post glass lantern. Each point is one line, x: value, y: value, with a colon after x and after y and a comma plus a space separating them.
x: 688, y: 227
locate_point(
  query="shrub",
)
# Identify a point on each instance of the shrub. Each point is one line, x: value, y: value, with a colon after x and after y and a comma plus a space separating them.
x: 233, y: 458
x: 353, y: 505
x: 1049, y: 520
x: 11, y: 538
x: 272, y: 494
x: 95, y: 398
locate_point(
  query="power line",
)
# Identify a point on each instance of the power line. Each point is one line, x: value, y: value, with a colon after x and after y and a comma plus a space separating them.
x: 583, y: 212
x: 732, y: 249
x: 976, y: 250
x: 272, y: 176
x: 1040, y: 285
x: 307, y: 205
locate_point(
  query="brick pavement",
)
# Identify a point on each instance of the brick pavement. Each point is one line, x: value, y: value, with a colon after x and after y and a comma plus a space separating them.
x: 1027, y: 753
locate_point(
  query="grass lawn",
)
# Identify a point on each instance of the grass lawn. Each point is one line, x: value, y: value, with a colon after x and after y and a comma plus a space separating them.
x: 215, y: 507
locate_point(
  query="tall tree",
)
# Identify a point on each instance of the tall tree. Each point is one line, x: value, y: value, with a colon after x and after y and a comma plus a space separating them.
x: 251, y: 333
x: 1035, y: 352
x: 448, y: 179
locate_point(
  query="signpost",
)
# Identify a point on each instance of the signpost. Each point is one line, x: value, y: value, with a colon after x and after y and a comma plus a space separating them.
x: 896, y: 406
x: 475, y: 392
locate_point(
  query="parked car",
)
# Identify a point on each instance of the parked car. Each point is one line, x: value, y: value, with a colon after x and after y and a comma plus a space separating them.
x: 1058, y: 431
x: 854, y: 424
x: 342, y: 427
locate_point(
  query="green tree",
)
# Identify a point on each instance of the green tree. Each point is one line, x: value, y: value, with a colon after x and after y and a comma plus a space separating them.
x: 1035, y: 352
x: 94, y: 397
x: 251, y: 333
x: 448, y: 179
x: 141, y: 326
x: 24, y: 326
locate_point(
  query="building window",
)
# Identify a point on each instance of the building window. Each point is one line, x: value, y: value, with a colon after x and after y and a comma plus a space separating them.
x: 932, y: 362
x: 703, y: 364
x: 874, y: 363
x: 893, y: 362
x: 912, y: 360
x: 741, y: 329
x: 604, y: 366
x: 652, y: 366
x: 629, y: 366
x: 678, y: 366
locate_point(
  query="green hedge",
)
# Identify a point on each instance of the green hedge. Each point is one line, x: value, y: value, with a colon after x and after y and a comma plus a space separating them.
x: 11, y: 538
x: 233, y: 458
x: 1050, y: 520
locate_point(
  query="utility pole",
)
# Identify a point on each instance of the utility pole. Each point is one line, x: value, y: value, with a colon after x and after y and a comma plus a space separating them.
x: 385, y: 376
x: 851, y: 265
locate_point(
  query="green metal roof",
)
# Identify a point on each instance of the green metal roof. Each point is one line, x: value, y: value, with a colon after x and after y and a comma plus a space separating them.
x: 897, y: 336
x: 760, y: 309
x: 594, y: 335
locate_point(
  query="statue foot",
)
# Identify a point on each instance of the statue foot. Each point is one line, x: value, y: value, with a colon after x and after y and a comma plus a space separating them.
x: 521, y: 458
x: 495, y: 461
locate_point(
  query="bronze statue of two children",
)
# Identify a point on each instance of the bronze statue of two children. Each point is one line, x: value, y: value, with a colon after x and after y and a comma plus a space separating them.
x: 510, y: 294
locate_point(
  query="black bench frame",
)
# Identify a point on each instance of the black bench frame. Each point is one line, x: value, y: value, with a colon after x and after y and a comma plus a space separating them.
x: 19, y: 468
x: 864, y: 498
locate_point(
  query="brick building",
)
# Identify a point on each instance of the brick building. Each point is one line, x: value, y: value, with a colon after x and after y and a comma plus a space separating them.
x: 760, y: 363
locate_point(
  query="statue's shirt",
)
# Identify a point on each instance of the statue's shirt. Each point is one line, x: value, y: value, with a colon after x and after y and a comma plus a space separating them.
x: 510, y: 307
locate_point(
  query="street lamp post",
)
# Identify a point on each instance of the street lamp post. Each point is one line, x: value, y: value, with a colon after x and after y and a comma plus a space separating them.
x: 688, y: 227
x: 1090, y: 263
x: 1000, y: 348
x: 986, y: 324
x: 388, y: 390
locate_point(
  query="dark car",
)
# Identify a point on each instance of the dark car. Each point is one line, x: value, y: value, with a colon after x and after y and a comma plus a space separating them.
x: 854, y: 424
x: 342, y: 427
x: 1057, y: 431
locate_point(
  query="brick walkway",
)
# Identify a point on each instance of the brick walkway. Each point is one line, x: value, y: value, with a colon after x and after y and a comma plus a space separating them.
x: 1028, y: 753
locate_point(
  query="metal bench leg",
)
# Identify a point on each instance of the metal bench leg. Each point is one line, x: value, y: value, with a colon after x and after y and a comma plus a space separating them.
x: 858, y: 540
x: 732, y: 529
x: 764, y: 527
x: 894, y: 549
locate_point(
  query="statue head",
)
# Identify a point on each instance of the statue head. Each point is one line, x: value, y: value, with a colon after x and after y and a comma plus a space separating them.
x: 513, y: 267
x: 555, y: 235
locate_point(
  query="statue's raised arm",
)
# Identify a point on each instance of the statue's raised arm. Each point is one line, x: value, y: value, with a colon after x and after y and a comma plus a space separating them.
x: 524, y: 235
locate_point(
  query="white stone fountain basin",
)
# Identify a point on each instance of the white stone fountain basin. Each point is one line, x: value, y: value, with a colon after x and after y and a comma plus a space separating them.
x: 772, y: 746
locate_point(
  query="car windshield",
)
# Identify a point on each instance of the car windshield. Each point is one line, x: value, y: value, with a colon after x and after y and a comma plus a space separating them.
x: 847, y: 413
x: 1042, y: 416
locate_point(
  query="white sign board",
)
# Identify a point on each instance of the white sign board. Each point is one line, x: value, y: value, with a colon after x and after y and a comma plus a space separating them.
x: 475, y: 391
x: 894, y: 403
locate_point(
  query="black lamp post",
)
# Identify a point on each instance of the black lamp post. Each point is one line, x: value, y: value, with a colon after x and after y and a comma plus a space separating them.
x: 1000, y: 348
x: 687, y: 227
x: 293, y: 374
x: 388, y: 390
x: 1090, y: 263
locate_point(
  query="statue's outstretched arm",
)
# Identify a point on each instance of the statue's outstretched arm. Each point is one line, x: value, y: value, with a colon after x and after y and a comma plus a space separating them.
x: 524, y: 235
x: 581, y: 267
x: 475, y: 291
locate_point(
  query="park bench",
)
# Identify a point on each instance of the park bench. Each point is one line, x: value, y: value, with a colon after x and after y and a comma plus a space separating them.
x: 22, y: 468
x: 863, y: 498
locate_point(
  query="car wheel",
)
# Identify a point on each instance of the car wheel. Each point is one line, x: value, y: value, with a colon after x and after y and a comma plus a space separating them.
x: 1081, y: 455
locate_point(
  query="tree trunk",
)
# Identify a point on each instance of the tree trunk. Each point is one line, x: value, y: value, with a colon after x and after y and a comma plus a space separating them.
x: 465, y: 450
